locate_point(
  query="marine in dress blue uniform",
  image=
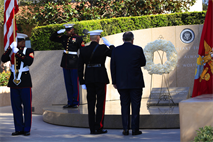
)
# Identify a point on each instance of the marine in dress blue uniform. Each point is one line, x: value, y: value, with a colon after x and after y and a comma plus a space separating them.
x: 20, y: 84
x: 95, y: 78
x: 127, y: 77
x: 71, y: 43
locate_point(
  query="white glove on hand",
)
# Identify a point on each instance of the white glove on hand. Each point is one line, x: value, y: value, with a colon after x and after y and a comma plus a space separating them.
x: 61, y: 31
x: 106, y: 42
x: 84, y: 86
x: 14, y: 47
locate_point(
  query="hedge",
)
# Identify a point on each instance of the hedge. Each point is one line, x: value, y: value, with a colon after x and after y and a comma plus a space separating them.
x: 40, y: 35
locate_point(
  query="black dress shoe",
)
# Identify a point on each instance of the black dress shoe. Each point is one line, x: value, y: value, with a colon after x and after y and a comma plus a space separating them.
x: 101, y: 131
x: 94, y: 132
x: 26, y: 133
x: 136, y: 132
x: 17, y: 133
x: 125, y: 132
x: 67, y: 106
x: 74, y: 106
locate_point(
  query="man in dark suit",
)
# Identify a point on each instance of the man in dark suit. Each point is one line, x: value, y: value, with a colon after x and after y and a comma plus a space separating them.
x: 127, y: 78
x: 71, y: 43
x: 95, y: 78
x: 20, y: 84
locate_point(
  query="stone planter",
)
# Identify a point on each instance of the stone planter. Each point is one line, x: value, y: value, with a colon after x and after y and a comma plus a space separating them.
x: 4, y: 96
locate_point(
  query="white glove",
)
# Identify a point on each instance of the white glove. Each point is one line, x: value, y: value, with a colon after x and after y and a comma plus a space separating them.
x: 14, y: 47
x: 212, y: 55
x: 84, y: 86
x: 61, y: 31
x: 106, y: 42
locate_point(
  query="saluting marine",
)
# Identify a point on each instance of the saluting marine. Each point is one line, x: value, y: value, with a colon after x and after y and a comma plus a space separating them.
x: 95, y: 78
x: 71, y: 43
x: 20, y: 83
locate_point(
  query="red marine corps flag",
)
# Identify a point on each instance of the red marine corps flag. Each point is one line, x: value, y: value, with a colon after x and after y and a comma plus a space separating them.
x: 203, y: 83
x: 10, y: 9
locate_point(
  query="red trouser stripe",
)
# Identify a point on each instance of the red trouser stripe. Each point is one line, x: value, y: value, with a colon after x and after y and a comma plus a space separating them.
x: 101, y: 123
x: 31, y: 105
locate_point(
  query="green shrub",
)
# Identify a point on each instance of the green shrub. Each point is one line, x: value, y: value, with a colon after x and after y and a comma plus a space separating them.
x: 4, y: 78
x: 40, y: 35
x: 204, y: 134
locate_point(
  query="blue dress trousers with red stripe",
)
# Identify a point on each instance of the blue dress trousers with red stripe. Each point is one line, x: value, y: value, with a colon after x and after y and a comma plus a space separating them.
x: 21, y: 94
x: 69, y: 63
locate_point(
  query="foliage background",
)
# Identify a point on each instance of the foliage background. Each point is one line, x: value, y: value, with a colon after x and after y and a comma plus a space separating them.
x: 204, y: 134
x: 1, y: 12
x: 4, y: 78
x: 40, y: 35
x: 51, y: 12
x: 32, y: 13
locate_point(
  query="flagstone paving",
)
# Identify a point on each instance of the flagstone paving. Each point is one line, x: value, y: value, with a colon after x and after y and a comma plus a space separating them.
x: 44, y: 132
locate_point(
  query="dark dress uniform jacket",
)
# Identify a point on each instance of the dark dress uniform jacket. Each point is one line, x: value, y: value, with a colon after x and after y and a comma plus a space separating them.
x: 94, y: 74
x: 72, y: 44
x: 20, y: 57
x: 126, y: 63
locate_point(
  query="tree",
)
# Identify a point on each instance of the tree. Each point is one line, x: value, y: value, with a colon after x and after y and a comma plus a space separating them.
x: 123, y: 8
x: 1, y: 12
x: 49, y: 11
x: 52, y: 13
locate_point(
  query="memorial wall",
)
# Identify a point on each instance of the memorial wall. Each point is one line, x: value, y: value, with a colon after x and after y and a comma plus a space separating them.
x: 186, y: 40
x: 48, y: 81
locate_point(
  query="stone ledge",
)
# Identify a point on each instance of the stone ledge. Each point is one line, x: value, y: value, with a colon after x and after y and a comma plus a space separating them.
x: 152, y: 118
x: 5, y: 96
x: 4, y: 89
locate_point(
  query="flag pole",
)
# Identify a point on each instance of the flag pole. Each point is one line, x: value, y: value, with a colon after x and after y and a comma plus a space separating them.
x: 14, y: 35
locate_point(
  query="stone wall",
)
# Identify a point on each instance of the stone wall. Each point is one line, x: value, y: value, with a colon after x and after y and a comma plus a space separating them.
x: 48, y: 81
x: 183, y: 75
x: 5, y: 96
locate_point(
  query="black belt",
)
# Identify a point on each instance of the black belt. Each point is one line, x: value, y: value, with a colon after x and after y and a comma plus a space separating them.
x: 93, y: 65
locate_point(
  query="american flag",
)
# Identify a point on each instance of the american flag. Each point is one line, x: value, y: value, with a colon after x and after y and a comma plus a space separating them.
x: 10, y: 9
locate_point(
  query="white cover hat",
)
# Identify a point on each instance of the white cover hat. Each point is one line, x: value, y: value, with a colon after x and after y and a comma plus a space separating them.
x: 21, y: 36
x: 68, y: 26
x: 95, y: 32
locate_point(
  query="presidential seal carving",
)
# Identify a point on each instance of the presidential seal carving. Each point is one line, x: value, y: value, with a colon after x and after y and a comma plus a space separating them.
x: 187, y: 36
x: 171, y: 55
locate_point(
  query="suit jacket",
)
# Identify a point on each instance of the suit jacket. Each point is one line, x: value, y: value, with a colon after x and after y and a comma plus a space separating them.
x: 27, y: 59
x: 126, y: 63
x: 72, y: 44
x: 93, y: 74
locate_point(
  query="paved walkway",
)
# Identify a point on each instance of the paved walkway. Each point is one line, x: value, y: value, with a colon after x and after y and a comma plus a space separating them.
x: 44, y: 132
